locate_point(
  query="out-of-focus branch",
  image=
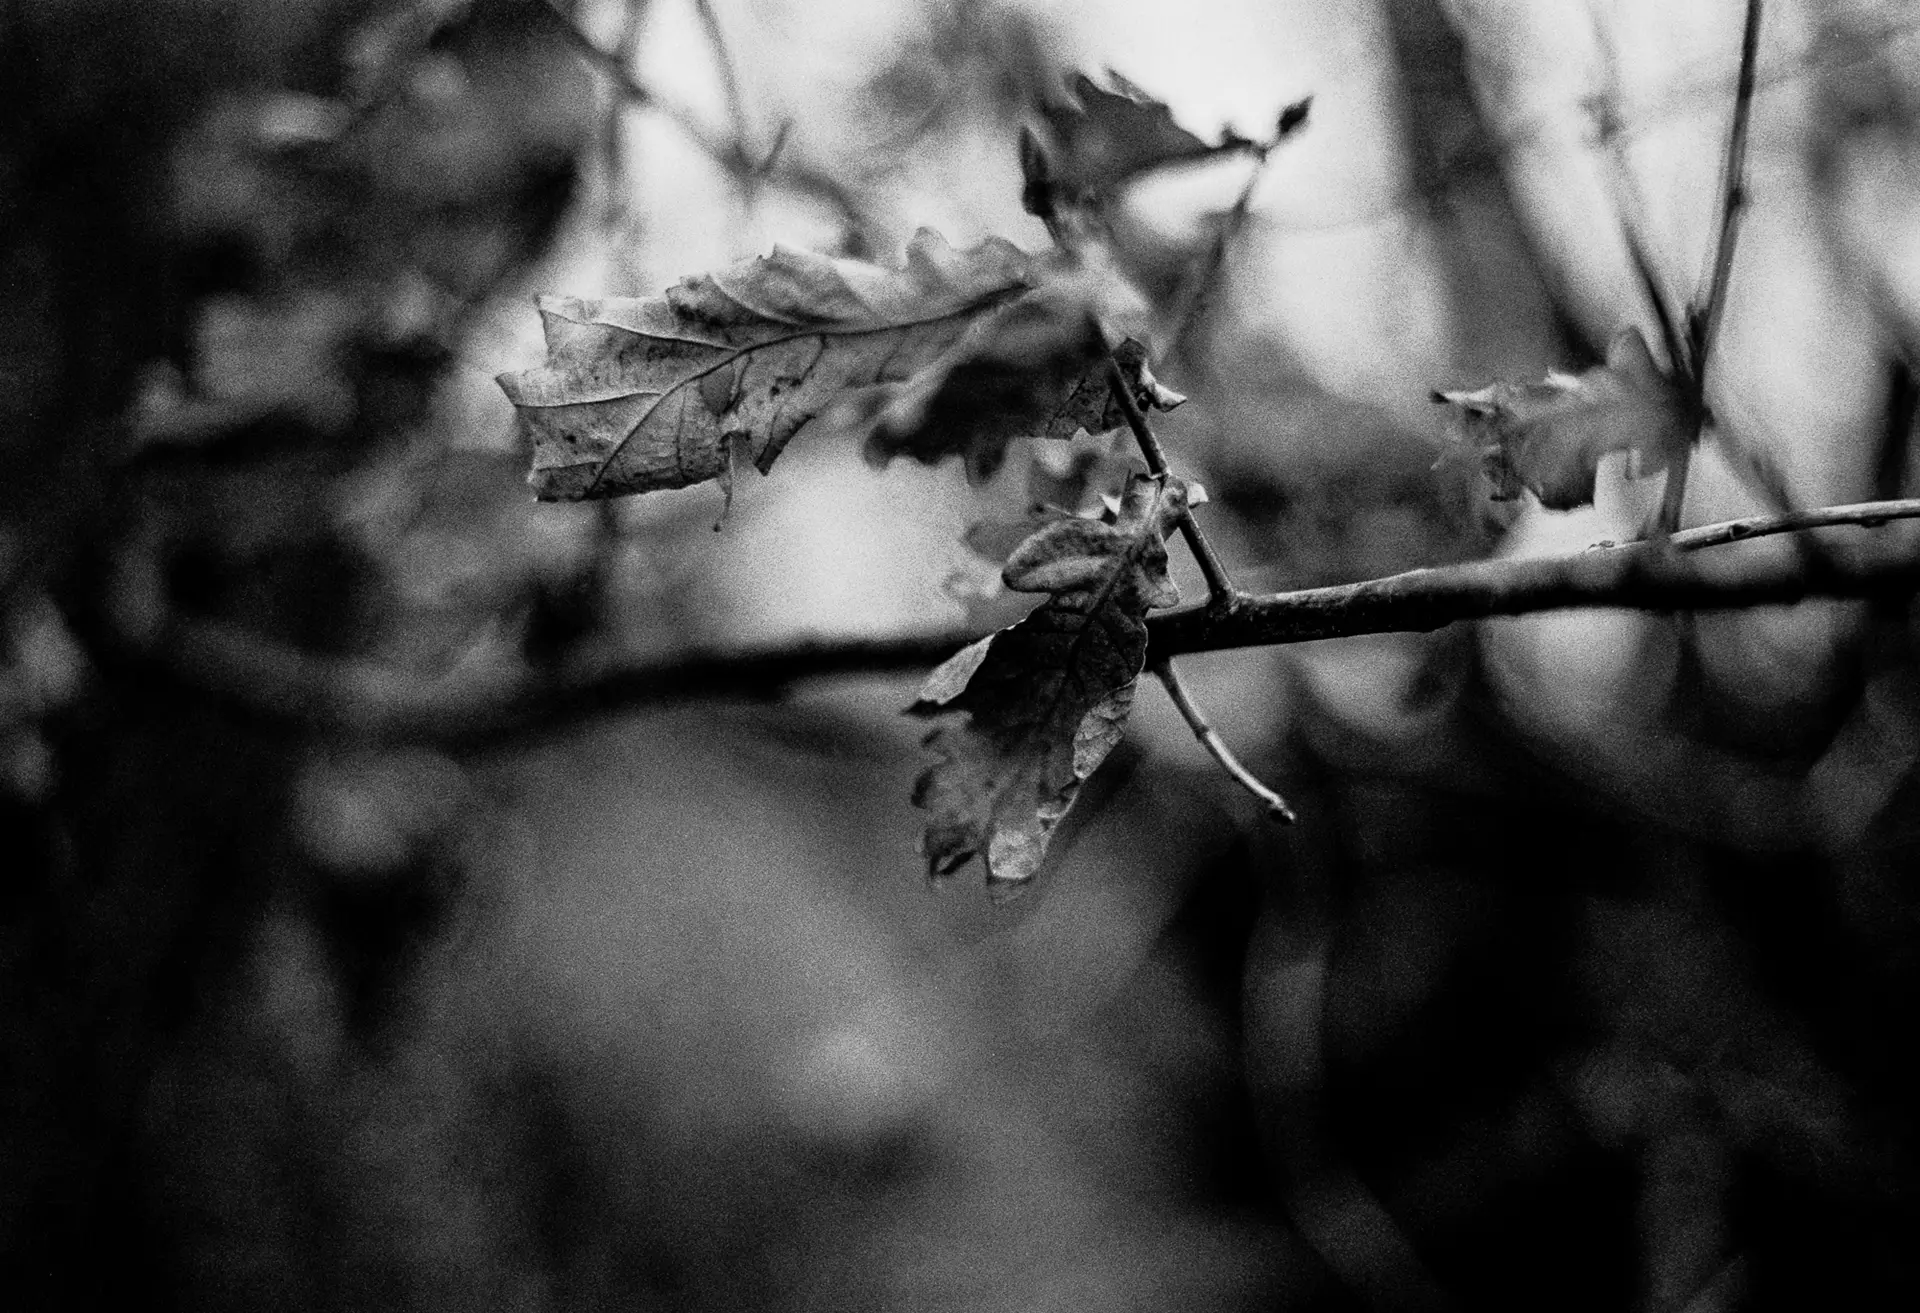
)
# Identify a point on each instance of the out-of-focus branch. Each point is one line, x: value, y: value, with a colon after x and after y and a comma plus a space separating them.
x: 730, y: 152
x: 1207, y: 277
x: 1733, y: 198
x: 729, y: 74
x: 615, y: 69
x: 1704, y: 317
x: 473, y: 710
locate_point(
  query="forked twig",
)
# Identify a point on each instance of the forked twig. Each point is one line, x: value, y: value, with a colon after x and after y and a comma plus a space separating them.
x: 616, y: 71
x: 1196, y: 719
x: 731, y: 155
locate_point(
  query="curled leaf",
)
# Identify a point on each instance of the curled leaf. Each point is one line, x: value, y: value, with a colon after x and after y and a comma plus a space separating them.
x: 1045, y: 700
x: 638, y: 395
x: 1548, y: 438
x: 958, y: 352
x: 1030, y: 375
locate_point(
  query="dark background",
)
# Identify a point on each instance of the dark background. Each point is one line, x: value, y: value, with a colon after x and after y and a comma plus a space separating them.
x: 1587, y: 980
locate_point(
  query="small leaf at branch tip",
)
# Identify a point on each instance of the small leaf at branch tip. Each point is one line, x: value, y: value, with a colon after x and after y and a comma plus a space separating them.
x: 1293, y: 117
x: 1548, y: 438
x: 1102, y: 139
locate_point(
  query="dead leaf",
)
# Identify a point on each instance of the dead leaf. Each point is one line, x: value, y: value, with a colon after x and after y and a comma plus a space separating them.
x: 1548, y: 437
x: 1103, y: 139
x: 1038, y: 372
x: 1045, y: 700
x: 639, y: 395
x: 956, y: 353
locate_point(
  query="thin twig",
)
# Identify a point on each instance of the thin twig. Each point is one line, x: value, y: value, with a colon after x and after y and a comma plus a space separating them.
x: 1210, y: 739
x: 1733, y: 197
x: 1235, y: 220
x: 730, y: 155
x: 1631, y: 208
x: 1704, y: 318
x: 1221, y: 594
x: 729, y: 73
x: 1862, y: 515
x: 474, y: 710
x: 616, y: 71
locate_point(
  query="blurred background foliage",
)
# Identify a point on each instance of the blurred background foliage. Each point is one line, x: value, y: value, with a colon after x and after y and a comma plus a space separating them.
x: 1588, y: 979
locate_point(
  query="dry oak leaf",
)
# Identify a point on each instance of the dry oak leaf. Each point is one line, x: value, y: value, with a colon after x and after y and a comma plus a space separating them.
x: 956, y: 353
x: 639, y: 395
x: 1548, y: 437
x: 1045, y: 700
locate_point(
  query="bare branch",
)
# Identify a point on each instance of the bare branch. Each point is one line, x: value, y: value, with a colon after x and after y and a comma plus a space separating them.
x: 1210, y: 739
x: 731, y: 154
x: 1631, y: 208
x: 616, y: 71
x: 1704, y: 317
x: 473, y: 710
x: 1221, y: 592
x: 1862, y: 515
x: 374, y: 700
x: 1236, y: 219
x: 1638, y: 576
x: 729, y: 73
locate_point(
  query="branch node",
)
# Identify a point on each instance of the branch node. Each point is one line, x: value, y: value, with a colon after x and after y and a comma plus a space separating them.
x: 1212, y: 568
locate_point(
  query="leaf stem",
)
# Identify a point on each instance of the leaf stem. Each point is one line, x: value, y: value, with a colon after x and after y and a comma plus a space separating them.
x: 1221, y: 593
x: 1277, y: 808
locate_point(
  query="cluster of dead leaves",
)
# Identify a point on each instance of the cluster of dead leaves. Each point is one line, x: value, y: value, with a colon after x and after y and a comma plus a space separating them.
x: 955, y: 353
x: 958, y: 352
x: 1046, y: 699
